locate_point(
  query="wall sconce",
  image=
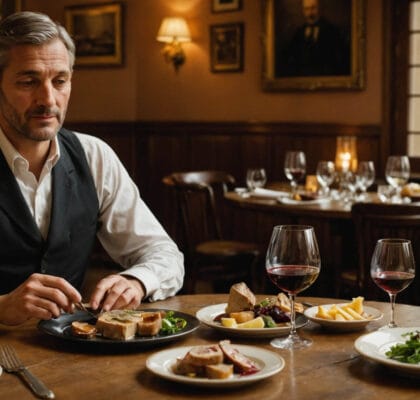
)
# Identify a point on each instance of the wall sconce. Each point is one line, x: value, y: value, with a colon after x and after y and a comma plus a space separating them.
x: 173, y: 31
x: 346, y: 154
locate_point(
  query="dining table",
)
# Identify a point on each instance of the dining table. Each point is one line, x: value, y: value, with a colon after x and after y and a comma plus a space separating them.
x: 330, y: 368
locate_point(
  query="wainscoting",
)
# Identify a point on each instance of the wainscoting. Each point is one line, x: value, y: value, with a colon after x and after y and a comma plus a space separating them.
x: 151, y: 150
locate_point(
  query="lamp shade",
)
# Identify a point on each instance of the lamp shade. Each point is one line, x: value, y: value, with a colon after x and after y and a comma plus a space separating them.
x: 173, y: 29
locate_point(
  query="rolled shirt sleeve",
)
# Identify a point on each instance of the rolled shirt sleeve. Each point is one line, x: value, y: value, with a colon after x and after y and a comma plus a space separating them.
x: 128, y: 231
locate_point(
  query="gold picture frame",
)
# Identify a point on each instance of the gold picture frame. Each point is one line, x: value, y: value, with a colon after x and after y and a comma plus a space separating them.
x: 97, y: 32
x: 218, y: 6
x: 289, y: 64
x: 8, y: 7
x: 227, y: 47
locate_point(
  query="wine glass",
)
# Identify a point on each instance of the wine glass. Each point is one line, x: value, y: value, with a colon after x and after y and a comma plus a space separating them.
x: 325, y: 174
x: 294, y: 168
x: 397, y: 173
x: 392, y: 268
x: 255, y: 178
x: 293, y: 264
x: 365, y: 176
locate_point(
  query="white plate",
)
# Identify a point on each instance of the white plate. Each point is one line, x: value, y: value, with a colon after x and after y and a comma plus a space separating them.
x: 270, y: 363
x: 288, y: 200
x: 343, y: 325
x: 374, y: 345
x: 207, y: 315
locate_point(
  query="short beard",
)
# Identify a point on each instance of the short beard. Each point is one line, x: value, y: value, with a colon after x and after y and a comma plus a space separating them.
x: 22, y: 128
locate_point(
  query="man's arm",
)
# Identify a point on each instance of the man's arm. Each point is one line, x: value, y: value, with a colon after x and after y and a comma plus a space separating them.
x: 130, y: 233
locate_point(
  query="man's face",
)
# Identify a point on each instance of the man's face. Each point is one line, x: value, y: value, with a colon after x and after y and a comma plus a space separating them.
x: 310, y: 11
x: 34, y: 91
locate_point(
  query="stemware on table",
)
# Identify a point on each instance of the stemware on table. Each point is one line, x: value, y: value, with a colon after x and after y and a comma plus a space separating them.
x: 397, y: 173
x: 325, y: 175
x: 365, y: 176
x: 293, y: 264
x: 294, y: 168
x: 255, y: 178
x: 393, y: 268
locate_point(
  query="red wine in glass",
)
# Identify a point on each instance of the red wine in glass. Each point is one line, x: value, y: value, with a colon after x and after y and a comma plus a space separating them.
x: 392, y: 268
x: 292, y: 264
x: 393, y: 281
x: 294, y: 174
x: 294, y: 168
x: 293, y: 278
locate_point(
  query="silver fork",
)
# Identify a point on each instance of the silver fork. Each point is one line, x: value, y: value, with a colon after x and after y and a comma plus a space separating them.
x: 82, y: 307
x: 11, y: 363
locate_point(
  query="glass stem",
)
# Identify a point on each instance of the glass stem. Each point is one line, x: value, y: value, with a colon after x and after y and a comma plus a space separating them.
x: 292, y: 298
x: 392, y: 297
x: 294, y: 185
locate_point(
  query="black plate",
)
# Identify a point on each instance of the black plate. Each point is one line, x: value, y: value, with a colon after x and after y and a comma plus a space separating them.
x: 61, y: 328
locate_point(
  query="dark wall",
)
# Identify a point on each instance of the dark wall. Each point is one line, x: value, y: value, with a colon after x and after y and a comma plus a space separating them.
x: 151, y: 150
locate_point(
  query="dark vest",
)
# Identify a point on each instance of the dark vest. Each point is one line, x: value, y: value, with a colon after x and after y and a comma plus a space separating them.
x: 73, y: 224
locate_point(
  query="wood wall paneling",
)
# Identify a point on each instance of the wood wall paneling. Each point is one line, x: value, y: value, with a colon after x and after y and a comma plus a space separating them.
x: 151, y: 150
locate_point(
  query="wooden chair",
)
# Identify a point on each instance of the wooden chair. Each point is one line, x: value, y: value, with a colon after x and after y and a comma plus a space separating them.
x: 377, y: 221
x: 199, y: 203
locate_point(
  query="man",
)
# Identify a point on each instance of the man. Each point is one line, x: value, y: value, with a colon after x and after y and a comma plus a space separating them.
x: 318, y: 48
x: 59, y: 189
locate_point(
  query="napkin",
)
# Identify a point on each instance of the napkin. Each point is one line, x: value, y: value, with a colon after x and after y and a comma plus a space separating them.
x: 268, y: 193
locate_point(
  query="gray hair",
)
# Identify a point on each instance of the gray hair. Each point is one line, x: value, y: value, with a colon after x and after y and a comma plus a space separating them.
x: 34, y: 28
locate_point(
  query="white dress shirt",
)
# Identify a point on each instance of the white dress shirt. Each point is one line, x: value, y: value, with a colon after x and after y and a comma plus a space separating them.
x: 129, y: 232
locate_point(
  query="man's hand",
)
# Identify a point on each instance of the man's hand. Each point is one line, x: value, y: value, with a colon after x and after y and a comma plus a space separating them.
x: 40, y: 296
x: 117, y: 292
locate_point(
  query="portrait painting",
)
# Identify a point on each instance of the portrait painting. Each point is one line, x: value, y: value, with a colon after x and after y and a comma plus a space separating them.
x: 226, y: 47
x: 313, y: 44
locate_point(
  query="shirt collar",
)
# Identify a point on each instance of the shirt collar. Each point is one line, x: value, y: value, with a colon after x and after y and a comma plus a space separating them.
x: 12, y: 155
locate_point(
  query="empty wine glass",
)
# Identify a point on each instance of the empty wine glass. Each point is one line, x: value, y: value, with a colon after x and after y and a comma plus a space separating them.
x: 294, y: 168
x: 293, y: 264
x: 255, y: 178
x: 392, y: 268
x: 348, y: 186
x: 397, y: 173
x: 325, y: 175
x: 365, y: 176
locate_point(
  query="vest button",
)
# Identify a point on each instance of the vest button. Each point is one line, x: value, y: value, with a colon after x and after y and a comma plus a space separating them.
x: 43, y: 269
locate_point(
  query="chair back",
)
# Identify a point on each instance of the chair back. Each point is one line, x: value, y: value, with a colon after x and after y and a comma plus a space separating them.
x: 378, y: 221
x: 199, y: 203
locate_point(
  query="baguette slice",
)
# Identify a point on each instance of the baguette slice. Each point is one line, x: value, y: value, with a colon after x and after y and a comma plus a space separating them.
x: 118, y: 324
x: 240, y: 298
x: 219, y: 371
x: 150, y: 324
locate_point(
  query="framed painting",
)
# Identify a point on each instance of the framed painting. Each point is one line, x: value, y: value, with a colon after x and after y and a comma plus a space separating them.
x: 218, y: 6
x: 8, y: 7
x: 97, y: 32
x: 227, y: 47
x: 313, y: 45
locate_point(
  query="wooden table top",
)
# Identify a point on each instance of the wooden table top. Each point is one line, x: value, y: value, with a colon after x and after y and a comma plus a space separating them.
x: 329, y: 209
x: 329, y: 369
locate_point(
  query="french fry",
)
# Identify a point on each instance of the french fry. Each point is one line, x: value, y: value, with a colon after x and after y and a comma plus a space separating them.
x: 345, y: 314
x: 352, y: 311
x: 322, y: 313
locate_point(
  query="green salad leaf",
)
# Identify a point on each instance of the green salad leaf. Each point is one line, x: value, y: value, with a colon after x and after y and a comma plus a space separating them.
x: 407, y: 352
x: 172, y: 324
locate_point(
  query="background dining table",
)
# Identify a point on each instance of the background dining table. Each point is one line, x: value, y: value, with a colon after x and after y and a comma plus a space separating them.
x: 329, y: 369
x: 252, y: 218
